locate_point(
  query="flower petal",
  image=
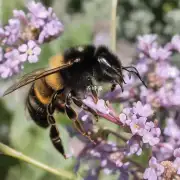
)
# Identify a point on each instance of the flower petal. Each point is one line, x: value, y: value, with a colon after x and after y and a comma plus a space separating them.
x: 37, y: 50
x: 23, y: 57
x: 32, y: 59
x: 22, y: 48
x: 31, y: 44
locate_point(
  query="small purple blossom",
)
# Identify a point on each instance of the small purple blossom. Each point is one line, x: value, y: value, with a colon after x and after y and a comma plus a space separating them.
x: 146, y: 42
x: 176, y: 164
x: 11, y: 64
x: 29, y: 51
x: 152, y: 136
x: 164, y: 150
x: 159, y: 53
x: 142, y: 110
x: 154, y: 171
x: 165, y: 70
x: 142, y: 68
x: 38, y: 14
x: 20, y: 15
x: 100, y: 106
x: 138, y: 125
x: 172, y: 129
x: 12, y: 32
x: 46, y: 20
x: 37, y: 9
x: 177, y: 152
x: 134, y: 146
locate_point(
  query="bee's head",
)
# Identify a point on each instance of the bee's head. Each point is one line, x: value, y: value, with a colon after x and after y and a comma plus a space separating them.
x: 109, y: 66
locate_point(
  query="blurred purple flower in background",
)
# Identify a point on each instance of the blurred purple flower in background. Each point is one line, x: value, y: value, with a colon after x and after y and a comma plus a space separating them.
x: 24, y: 33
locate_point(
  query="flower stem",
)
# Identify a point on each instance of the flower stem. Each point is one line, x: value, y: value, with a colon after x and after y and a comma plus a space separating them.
x: 113, y: 25
x: 13, y: 153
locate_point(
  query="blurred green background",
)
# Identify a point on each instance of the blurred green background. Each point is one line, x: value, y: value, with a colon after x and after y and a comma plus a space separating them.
x: 85, y: 21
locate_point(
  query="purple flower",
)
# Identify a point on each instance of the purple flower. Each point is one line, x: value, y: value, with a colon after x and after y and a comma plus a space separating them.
x: 165, y: 70
x: 151, y: 135
x: 54, y: 28
x: 24, y: 31
x: 5, y: 71
x: 29, y: 51
x: 163, y: 150
x: 176, y: 165
x: 12, y: 55
x: 12, y: 31
x: 134, y: 146
x: 45, y: 20
x: 38, y: 14
x: 100, y: 106
x: 172, y: 129
x: 177, y: 152
x: 163, y: 54
x: 37, y: 9
x: 11, y: 64
x: 142, y: 67
x: 138, y: 125
x: 159, y: 53
x: 154, y: 171
x: 146, y: 42
x: 20, y: 15
x: 123, y: 118
x: 142, y: 110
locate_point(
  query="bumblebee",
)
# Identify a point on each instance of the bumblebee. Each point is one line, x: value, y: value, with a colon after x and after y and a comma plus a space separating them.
x: 67, y: 81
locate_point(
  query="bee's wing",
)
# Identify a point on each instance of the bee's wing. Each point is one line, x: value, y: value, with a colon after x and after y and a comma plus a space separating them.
x: 33, y: 76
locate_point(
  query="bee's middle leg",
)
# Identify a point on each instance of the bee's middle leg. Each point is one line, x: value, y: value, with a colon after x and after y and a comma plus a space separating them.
x: 80, y: 104
x: 73, y: 115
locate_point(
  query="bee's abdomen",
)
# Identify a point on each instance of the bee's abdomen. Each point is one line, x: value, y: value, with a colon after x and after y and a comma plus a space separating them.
x: 36, y: 109
x: 41, y: 93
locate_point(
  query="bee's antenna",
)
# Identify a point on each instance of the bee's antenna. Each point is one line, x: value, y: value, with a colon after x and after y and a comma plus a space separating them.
x: 132, y: 69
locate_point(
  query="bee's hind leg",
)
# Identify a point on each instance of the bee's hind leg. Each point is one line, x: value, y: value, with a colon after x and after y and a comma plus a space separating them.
x: 54, y: 132
x: 73, y: 115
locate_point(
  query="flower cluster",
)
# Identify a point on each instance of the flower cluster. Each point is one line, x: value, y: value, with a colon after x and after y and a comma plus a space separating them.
x: 112, y: 157
x: 149, y: 118
x: 21, y: 38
